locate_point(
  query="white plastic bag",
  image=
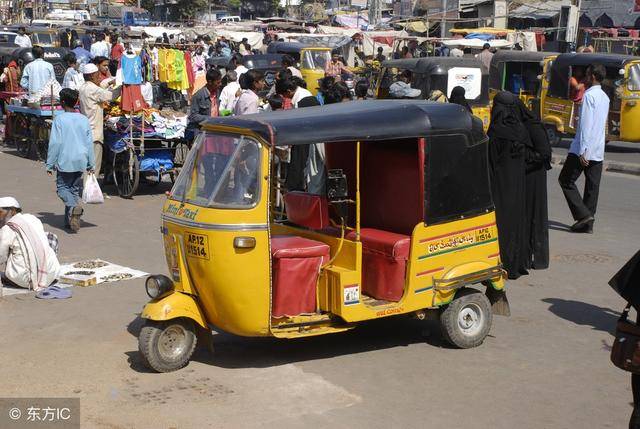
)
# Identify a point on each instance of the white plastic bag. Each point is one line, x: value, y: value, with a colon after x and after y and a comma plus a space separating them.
x: 92, y: 193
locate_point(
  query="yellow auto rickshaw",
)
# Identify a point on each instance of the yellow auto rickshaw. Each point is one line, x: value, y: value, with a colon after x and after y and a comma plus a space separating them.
x: 519, y: 72
x: 311, y: 59
x: 622, y: 85
x: 443, y: 74
x: 404, y: 224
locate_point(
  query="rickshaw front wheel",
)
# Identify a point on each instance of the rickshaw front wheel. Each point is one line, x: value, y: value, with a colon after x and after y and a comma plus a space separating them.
x: 167, y: 346
x: 467, y: 319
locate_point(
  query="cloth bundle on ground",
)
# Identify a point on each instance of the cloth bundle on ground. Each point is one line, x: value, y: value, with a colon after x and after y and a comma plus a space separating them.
x: 54, y: 292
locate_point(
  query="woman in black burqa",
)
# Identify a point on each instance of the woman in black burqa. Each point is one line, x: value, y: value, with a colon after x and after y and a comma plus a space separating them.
x: 537, y: 162
x: 458, y: 96
x: 508, y: 140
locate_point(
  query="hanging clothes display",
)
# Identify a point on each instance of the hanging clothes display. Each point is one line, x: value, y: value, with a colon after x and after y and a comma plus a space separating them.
x: 131, y: 69
x: 132, y: 99
x: 173, y: 69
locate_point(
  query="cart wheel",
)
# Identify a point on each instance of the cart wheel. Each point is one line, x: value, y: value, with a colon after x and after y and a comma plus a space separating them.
x: 167, y: 346
x: 181, y: 152
x: 126, y: 173
x: 23, y: 147
x: 467, y: 320
x: 42, y: 149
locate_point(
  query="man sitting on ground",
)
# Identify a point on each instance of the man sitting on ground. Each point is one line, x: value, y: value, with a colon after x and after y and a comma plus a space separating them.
x: 29, y: 260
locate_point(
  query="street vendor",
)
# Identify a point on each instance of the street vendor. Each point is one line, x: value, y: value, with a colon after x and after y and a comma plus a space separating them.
x: 37, y: 73
x: 28, y: 259
x: 92, y: 96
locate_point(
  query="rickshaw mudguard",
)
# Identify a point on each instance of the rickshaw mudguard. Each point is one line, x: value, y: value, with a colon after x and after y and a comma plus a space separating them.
x: 490, y: 275
x: 173, y: 306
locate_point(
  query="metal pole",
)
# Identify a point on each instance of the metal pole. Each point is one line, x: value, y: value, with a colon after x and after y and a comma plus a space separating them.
x: 443, y: 24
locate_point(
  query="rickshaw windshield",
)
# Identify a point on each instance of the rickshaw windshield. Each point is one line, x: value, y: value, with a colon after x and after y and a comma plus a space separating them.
x: 634, y: 78
x: 315, y: 60
x: 221, y: 171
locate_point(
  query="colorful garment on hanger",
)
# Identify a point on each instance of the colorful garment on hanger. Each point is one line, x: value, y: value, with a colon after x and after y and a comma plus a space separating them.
x: 132, y: 100
x: 131, y: 70
x: 162, y: 65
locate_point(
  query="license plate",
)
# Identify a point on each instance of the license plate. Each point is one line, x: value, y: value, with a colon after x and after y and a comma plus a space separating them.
x: 197, y: 245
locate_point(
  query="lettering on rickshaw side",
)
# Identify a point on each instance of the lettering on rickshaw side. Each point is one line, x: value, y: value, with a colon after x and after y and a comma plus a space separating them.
x: 464, y: 239
x: 197, y: 245
x: 182, y: 211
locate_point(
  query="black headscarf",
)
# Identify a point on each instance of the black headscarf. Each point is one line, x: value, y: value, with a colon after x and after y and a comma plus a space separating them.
x: 458, y: 96
x: 506, y: 119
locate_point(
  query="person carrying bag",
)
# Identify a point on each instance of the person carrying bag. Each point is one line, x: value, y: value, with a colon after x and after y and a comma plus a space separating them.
x: 625, y: 353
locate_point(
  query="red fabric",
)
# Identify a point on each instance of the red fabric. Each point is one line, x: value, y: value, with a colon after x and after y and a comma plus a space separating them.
x: 311, y: 211
x: 286, y: 103
x: 189, y: 66
x: 390, y: 186
x: 384, y: 263
x: 116, y: 51
x: 132, y: 100
x: 296, y: 266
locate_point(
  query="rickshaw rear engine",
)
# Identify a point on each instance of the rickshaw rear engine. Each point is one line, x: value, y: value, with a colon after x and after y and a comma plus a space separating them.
x: 296, y: 267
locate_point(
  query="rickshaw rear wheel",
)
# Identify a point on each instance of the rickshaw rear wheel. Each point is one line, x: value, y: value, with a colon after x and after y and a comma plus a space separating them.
x: 467, y: 319
x: 167, y: 346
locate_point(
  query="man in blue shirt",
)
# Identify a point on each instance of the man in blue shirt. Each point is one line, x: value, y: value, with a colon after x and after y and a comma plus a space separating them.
x: 87, y: 40
x: 70, y: 155
x: 83, y: 55
x: 37, y: 73
x: 587, y: 153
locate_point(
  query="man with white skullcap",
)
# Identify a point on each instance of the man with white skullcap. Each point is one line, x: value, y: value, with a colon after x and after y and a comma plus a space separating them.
x: 28, y: 260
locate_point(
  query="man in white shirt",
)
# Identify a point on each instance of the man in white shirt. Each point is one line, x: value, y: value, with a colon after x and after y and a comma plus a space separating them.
x: 240, y: 69
x: 292, y: 89
x: 28, y: 259
x: 100, y: 48
x: 22, y: 39
x: 229, y: 94
x: 288, y: 63
x: 587, y: 153
x: 37, y: 73
x: 92, y: 96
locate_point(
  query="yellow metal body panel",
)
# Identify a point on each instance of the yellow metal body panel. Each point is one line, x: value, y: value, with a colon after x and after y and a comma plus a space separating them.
x: 232, y: 285
x: 312, y: 76
x: 629, y: 110
x: 173, y: 306
x: 484, y: 113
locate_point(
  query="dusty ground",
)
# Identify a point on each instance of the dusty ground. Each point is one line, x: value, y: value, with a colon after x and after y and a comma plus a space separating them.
x: 545, y: 367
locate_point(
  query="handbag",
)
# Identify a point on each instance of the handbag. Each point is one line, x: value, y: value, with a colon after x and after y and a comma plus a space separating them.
x: 625, y: 353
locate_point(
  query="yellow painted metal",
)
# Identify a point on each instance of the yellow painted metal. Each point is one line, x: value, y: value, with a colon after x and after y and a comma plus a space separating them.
x: 312, y: 76
x: 173, y: 306
x: 358, y: 160
x: 629, y: 109
x: 484, y: 113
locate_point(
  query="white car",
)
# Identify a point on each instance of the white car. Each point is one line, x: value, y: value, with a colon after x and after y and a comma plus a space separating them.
x: 230, y: 19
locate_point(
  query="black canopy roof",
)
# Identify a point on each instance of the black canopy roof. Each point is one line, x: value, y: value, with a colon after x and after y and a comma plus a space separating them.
x: 433, y: 65
x: 356, y: 120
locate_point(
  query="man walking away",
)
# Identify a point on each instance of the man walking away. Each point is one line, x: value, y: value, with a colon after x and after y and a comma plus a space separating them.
x: 70, y: 155
x: 485, y: 56
x: 22, y: 39
x: 587, y: 153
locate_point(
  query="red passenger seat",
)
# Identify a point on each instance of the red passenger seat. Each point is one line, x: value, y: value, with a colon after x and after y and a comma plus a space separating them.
x: 384, y: 263
x: 296, y: 266
x: 308, y: 210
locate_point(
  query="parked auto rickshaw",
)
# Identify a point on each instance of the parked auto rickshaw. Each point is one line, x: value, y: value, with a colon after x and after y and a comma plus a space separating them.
x: 311, y: 59
x: 444, y: 74
x: 518, y: 72
x: 622, y: 85
x: 411, y: 232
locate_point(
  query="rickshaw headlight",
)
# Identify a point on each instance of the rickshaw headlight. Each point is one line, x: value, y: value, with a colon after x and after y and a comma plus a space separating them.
x: 158, y: 285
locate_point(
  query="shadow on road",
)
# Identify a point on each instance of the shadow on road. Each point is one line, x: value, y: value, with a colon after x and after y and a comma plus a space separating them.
x: 232, y: 351
x: 57, y: 220
x: 581, y: 313
x: 559, y: 226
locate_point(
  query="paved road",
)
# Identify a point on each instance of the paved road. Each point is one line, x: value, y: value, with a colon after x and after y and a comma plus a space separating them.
x: 547, y: 366
x: 615, y: 151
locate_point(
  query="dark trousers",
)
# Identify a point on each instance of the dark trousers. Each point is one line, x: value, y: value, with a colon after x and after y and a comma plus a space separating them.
x: 581, y: 206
